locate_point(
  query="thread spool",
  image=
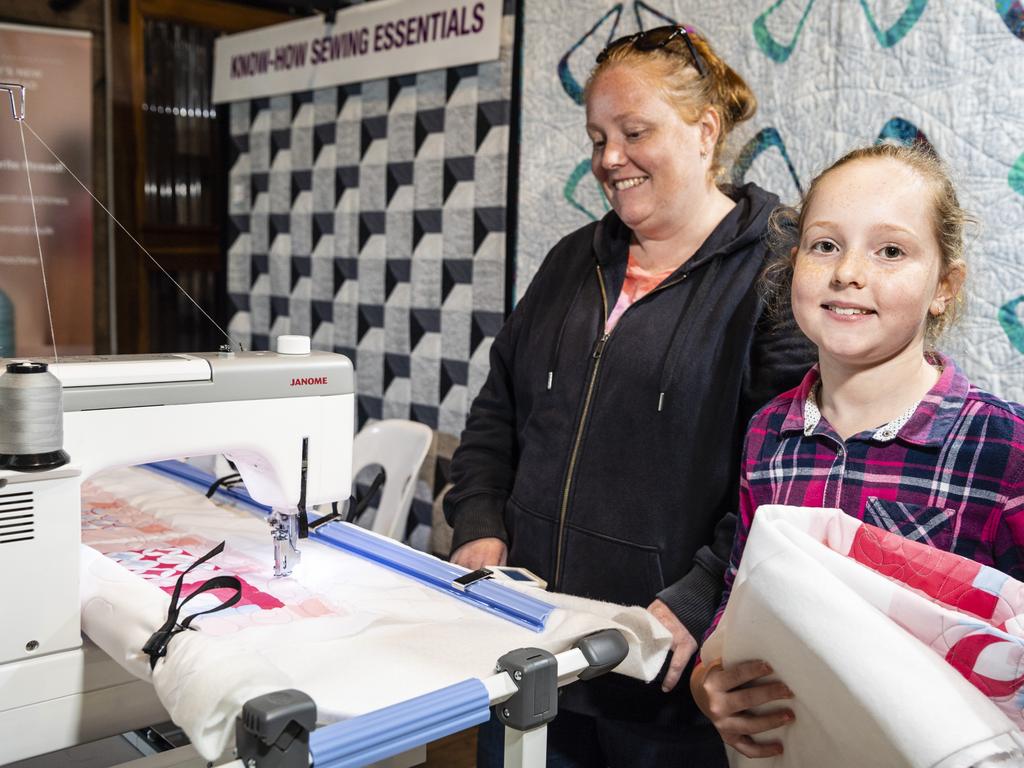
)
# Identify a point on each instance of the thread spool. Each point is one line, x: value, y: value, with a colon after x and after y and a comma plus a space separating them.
x: 31, y: 419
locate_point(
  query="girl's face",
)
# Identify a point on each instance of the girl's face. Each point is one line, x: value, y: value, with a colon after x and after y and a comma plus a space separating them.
x: 868, y: 266
x: 645, y: 156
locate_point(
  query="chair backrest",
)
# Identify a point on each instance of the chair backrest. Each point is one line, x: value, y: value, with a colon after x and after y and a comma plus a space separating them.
x: 399, y: 446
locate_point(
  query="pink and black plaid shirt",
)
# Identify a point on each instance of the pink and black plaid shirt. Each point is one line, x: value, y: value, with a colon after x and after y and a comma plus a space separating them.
x: 948, y: 473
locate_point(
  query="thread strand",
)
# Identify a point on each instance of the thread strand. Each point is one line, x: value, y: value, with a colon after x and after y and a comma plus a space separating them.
x: 124, y: 229
x: 39, y: 243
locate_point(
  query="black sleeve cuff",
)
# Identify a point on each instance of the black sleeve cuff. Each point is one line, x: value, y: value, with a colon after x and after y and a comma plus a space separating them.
x: 694, y: 599
x: 477, y: 517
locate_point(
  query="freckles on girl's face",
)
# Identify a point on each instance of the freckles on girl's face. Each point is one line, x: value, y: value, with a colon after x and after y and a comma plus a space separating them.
x: 868, y: 264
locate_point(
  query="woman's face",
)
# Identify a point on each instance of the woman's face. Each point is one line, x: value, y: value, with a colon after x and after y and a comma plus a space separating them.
x: 868, y: 267
x: 645, y: 156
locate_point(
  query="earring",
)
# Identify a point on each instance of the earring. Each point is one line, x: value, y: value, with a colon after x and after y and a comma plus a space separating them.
x: 937, y: 308
x: 703, y: 154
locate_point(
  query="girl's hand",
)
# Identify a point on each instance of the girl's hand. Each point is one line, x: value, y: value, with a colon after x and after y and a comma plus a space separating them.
x: 727, y: 695
x: 683, y: 644
x: 480, y: 552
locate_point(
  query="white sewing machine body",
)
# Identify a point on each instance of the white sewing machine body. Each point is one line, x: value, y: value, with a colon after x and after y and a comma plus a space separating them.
x: 287, y: 422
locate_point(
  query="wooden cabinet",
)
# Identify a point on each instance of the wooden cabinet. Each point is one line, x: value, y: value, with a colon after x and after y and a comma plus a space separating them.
x: 171, y: 159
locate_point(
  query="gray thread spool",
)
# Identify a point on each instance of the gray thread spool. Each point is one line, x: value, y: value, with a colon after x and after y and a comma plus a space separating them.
x: 31, y: 419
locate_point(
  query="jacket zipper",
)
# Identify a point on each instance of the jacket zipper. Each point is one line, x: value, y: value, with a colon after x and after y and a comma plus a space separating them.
x: 598, y: 351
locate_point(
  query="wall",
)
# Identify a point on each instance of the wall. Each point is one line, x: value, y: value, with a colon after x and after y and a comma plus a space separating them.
x: 372, y: 218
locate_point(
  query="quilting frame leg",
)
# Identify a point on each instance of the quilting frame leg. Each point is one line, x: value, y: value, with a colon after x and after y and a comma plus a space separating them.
x: 526, y: 749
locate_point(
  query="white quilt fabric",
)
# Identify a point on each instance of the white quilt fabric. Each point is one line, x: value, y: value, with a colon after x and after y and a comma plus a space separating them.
x: 866, y: 690
x: 354, y: 636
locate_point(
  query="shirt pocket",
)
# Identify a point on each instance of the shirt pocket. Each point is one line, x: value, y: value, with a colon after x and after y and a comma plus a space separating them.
x: 933, y: 526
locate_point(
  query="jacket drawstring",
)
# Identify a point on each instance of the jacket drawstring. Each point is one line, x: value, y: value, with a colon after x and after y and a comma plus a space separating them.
x: 673, y: 352
x: 553, y: 362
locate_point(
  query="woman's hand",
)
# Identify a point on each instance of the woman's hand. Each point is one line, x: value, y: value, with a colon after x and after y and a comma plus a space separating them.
x: 480, y: 552
x: 683, y: 644
x: 727, y: 695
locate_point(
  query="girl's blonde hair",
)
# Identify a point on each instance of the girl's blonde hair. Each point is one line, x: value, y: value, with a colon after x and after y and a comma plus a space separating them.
x: 672, y: 69
x: 949, y: 219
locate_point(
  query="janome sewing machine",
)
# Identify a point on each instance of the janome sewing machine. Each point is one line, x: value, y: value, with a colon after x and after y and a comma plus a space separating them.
x: 286, y: 420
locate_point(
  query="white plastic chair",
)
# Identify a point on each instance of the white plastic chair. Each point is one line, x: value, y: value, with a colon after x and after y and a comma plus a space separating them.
x: 399, y: 446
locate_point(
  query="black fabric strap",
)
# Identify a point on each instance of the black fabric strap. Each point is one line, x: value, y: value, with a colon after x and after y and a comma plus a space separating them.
x: 356, y: 505
x: 357, y: 510
x: 156, y: 646
x: 227, y: 481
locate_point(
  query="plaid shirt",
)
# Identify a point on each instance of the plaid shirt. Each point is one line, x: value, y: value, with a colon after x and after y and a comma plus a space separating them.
x: 948, y: 472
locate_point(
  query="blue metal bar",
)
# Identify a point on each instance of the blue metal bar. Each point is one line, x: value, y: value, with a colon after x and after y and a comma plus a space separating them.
x: 392, y: 730
x: 487, y: 595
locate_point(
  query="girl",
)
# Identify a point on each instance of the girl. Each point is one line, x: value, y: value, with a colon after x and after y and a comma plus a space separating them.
x: 883, y: 427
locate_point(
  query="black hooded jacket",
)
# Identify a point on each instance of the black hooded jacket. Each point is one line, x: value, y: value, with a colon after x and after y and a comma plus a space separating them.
x: 609, y: 464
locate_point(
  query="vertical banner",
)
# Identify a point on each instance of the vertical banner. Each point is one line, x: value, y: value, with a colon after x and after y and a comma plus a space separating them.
x: 55, y: 66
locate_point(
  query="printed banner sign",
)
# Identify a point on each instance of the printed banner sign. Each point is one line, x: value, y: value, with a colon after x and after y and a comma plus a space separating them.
x: 367, y: 42
x: 55, y: 66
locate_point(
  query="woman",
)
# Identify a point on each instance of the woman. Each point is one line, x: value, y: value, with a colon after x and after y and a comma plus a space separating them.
x: 602, y: 452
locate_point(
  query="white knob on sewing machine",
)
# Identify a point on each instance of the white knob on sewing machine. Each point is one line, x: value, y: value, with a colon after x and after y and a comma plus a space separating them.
x: 293, y: 345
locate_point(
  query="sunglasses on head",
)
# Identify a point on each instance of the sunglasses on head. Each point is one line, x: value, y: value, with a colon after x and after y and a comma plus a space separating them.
x: 652, y: 39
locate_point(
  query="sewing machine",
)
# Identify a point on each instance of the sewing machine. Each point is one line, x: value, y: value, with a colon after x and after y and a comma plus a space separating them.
x: 285, y: 419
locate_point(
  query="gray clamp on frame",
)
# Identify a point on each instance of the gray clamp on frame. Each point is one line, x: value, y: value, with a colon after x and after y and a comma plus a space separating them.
x: 273, y: 730
x: 535, y: 673
x: 604, y: 650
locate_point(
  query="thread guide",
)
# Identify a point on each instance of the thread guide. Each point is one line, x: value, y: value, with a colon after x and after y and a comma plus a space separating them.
x: 11, y: 88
